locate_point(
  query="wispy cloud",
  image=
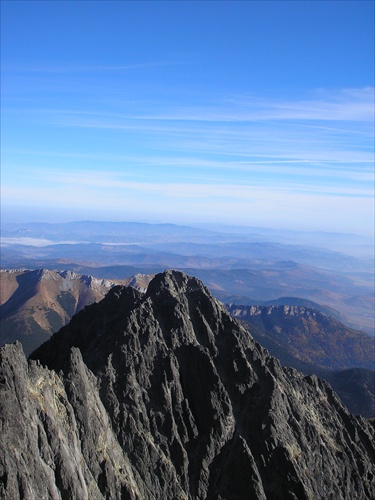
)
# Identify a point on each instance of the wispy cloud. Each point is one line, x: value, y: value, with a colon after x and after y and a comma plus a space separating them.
x: 121, y: 183
x: 83, y: 68
x: 343, y: 105
x: 234, y: 154
x: 273, y: 143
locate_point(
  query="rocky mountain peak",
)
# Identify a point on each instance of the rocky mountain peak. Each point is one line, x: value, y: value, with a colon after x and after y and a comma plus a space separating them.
x: 163, y: 395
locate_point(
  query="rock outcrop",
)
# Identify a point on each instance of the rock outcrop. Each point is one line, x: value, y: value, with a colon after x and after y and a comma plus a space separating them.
x: 163, y: 395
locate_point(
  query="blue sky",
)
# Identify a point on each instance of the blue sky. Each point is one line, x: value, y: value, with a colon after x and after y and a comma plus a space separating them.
x: 258, y: 113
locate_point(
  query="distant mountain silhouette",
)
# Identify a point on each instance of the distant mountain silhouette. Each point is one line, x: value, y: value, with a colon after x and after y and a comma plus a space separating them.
x: 251, y: 263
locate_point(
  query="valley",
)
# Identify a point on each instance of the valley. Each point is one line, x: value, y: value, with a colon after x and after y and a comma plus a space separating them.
x: 37, y: 303
x: 49, y: 274
x: 241, y: 265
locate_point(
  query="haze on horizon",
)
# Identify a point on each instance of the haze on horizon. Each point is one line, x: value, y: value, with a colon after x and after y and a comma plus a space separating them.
x: 253, y: 113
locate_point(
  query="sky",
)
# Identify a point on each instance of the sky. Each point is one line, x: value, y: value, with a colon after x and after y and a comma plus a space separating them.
x: 251, y: 113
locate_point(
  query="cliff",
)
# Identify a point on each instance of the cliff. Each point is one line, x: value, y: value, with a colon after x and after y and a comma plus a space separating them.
x: 164, y: 395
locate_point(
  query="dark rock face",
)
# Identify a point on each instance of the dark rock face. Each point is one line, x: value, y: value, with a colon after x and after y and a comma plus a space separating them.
x: 314, y: 342
x: 36, y: 303
x: 165, y: 396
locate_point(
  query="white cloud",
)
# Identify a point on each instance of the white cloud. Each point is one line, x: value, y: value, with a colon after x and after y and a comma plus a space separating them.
x: 343, y: 105
x: 233, y: 156
x: 108, y: 185
x: 65, y: 69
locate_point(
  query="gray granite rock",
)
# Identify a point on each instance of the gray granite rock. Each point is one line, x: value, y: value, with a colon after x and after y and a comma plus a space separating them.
x: 163, y: 395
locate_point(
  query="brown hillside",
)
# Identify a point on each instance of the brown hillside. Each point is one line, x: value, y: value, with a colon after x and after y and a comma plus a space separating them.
x: 35, y: 304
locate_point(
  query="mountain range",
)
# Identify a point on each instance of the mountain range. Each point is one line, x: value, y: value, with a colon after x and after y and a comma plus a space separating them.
x: 311, y: 335
x: 241, y: 265
x: 37, y: 303
x: 314, y: 342
x: 162, y: 394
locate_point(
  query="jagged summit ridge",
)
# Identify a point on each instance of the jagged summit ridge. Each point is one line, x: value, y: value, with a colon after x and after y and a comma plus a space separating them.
x: 166, y: 396
x: 36, y: 303
x: 172, y: 310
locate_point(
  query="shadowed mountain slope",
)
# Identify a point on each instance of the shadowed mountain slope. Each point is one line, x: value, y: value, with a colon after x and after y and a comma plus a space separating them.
x: 314, y: 342
x: 310, y: 335
x: 36, y: 303
x: 164, y: 395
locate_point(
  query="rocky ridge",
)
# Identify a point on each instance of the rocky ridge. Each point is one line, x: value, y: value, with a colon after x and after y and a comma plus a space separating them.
x: 314, y: 342
x: 311, y: 335
x: 36, y: 303
x: 164, y: 395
